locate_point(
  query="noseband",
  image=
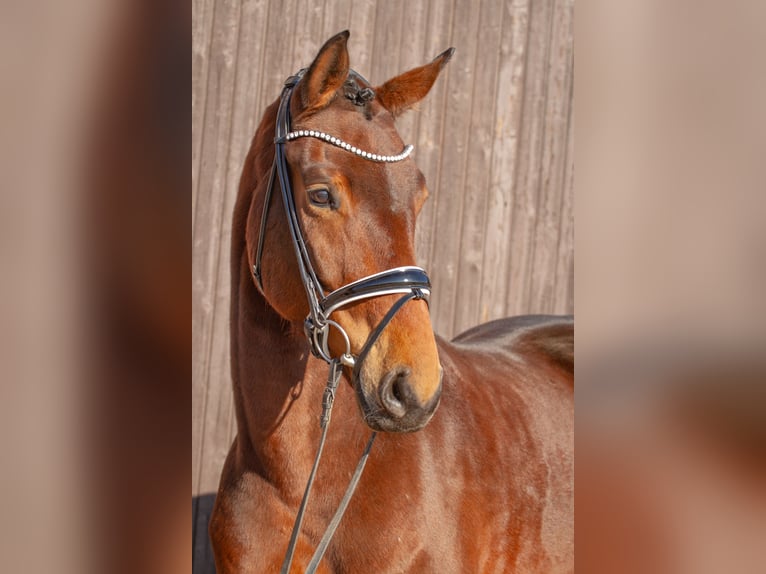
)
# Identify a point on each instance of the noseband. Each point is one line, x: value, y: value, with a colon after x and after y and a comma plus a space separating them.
x: 411, y: 282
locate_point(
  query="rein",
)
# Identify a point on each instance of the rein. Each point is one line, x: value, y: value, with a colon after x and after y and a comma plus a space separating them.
x: 411, y: 282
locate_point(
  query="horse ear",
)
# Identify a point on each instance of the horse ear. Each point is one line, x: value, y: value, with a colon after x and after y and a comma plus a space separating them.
x: 402, y: 92
x: 326, y: 74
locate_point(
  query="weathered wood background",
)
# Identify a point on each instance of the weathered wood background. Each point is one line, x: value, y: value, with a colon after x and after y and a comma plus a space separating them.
x: 494, y: 140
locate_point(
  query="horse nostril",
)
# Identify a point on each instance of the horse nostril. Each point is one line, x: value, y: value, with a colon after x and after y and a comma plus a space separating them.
x: 396, y: 389
x: 395, y: 392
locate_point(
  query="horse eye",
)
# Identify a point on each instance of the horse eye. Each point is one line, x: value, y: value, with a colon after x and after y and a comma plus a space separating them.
x: 320, y: 196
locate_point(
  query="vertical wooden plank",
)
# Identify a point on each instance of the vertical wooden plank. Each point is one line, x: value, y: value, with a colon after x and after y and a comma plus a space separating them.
x: 564, y: 297
x: 430, y: 139
x: 528, y: 174
x: 467, y: 303
x: 336, y: 18
x: 509, y: 106
x: 309, y: 35
x: 278, y: 60
x: 411, y: 46
x: 219, y: 409
x: 457, y: 127
x: 248, y: 105
x: 209, y: 215
x: 565, y: 263
x: 545, y: 245
x: 386, y: 43
x: 410, y: 55
x: 362, y: 27
x: 202, y: 26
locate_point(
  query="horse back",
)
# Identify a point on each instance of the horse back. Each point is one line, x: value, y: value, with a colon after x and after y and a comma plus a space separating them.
x: 547, y: 338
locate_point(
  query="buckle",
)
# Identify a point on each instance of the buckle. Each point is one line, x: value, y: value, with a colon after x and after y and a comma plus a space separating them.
x: 308, y: 330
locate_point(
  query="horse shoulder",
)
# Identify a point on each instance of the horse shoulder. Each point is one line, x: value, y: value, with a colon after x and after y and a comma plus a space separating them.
x: 250, y: 524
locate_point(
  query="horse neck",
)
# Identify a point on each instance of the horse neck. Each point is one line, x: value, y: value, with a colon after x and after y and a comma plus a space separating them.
x: 277, y: 384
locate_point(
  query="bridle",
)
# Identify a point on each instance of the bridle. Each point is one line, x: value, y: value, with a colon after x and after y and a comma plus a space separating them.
x: 410, y: 282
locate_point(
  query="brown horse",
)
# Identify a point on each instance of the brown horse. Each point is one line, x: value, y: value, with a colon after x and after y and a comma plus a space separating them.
x: 487, y: 484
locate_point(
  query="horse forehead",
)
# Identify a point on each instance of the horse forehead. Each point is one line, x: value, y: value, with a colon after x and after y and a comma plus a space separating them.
x: 376, y: 133
x: 372, y: 123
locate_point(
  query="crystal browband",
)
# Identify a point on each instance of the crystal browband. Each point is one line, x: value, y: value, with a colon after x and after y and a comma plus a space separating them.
x: 348, y: 147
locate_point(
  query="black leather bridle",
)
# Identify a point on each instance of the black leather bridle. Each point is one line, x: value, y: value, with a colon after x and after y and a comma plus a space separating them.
x: 411, y: 282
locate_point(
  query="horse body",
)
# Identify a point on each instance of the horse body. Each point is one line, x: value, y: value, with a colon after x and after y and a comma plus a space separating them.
x: 485, y: 486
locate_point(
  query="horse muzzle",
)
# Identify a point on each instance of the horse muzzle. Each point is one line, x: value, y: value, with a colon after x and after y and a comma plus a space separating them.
x: 393, y: 405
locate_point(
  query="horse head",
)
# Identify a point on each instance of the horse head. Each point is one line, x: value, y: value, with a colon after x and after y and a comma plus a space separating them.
x: 356, y: 195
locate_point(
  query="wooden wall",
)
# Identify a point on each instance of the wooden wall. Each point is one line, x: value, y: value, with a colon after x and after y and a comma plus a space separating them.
x: 494, y: 140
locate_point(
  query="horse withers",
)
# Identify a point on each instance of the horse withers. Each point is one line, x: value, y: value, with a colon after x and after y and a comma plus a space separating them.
x: 323, y: 270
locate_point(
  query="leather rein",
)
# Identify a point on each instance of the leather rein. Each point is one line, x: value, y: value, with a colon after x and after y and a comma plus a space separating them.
x: 411, y: 282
